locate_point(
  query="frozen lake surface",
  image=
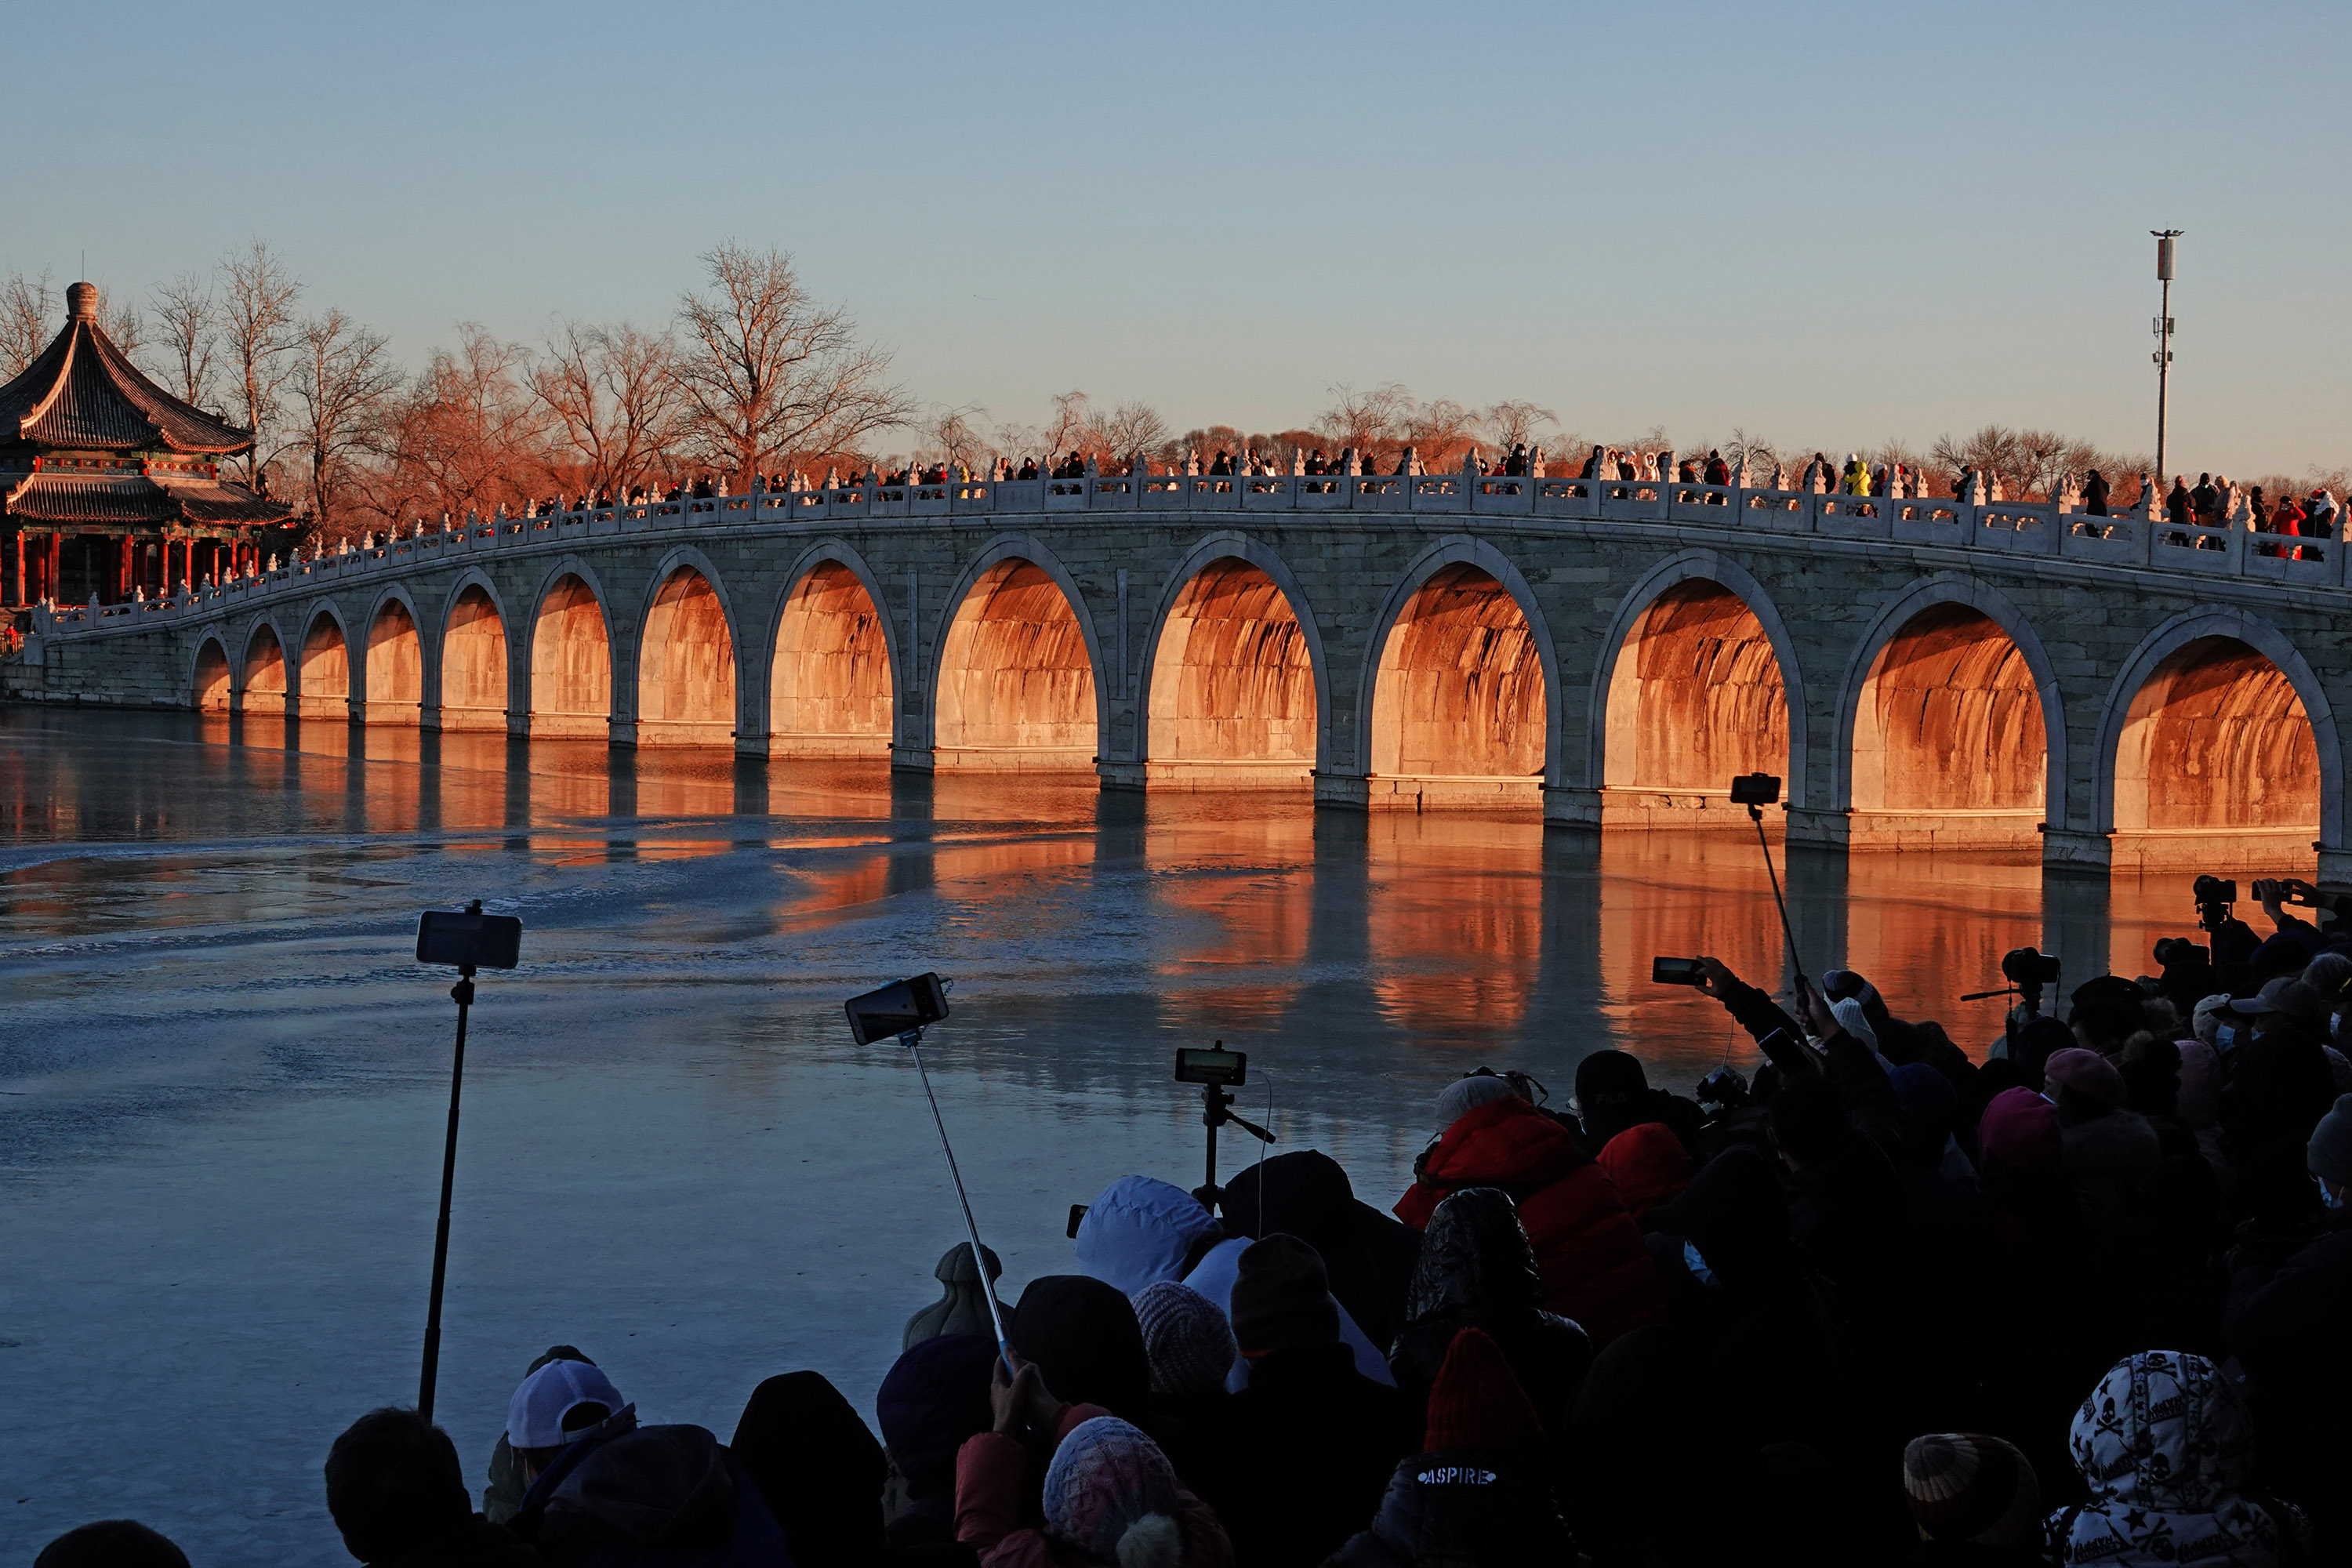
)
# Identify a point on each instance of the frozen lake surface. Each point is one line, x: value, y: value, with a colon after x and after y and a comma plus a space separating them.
x: 223, y: 1079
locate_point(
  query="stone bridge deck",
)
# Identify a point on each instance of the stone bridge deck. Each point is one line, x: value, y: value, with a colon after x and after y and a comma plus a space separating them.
x: 1922, y: 671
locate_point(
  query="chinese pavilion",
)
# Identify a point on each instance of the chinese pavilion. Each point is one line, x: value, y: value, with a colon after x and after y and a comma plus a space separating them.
x: 109, y: 485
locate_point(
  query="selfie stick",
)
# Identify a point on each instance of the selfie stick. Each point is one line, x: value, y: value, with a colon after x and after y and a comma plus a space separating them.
x: 913, y: 1041
x: 463, y: 994
x: 1756, y: 815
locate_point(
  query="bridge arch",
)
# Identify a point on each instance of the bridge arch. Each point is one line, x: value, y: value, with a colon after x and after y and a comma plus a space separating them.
x: 266, y: 680
x: 1951, y: 727
x: 1018, y: 678
x: 1697, y: 682
x: 476, y: 677
x: 391, y: 673
x: 324, y: 680
x: 1460, y: 688
x: 2216, y: 743
x: 834, y: 668
x: 571, y: 653
x: 209, y: 680
x: 685, y: 655
x: 1235, y: 686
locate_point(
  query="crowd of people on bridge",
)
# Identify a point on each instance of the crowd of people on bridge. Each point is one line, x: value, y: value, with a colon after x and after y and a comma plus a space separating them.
x: 2215, y: 502
x: 2085, y: 1301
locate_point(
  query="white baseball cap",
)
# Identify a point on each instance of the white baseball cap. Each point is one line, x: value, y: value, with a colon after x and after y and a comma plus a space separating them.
x: 538, y: 1417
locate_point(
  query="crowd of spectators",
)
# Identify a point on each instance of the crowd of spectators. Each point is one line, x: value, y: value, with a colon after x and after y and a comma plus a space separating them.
x: 2083, y: 1301
x: 2214, y: 502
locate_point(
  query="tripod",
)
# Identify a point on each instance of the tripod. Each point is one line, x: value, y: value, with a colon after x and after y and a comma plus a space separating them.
x: 1215, y: 1112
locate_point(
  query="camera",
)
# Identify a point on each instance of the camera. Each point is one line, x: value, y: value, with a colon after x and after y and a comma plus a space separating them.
x: 1754, y: 789
x: 1230, y: 1068
x: 1724, y: 1089
x: 1677, y: 971
x: 2173, y: 950
x: 470, y: 941
x: 904, y: 1008
x: 2029, y: 967
x: 2214, y: 895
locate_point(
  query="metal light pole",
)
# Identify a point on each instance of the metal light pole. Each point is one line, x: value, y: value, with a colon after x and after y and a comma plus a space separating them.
x: 2164, y: 238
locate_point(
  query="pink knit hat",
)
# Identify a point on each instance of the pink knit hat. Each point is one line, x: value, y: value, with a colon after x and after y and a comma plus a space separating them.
x: 1106, y: 1478
x: 2089, y: 1074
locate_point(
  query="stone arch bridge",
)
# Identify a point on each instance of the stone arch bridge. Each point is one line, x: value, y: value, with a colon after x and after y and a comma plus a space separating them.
x: 1922, y: 671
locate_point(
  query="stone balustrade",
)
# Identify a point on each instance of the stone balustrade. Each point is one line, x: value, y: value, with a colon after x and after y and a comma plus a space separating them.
x: 2014, y: 528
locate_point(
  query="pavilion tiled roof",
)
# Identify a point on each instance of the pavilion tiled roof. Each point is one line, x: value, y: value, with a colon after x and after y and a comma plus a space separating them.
x: 83, y: 395
x: 136, y: 501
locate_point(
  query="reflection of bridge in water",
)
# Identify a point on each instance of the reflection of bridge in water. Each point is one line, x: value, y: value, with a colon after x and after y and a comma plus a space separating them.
x: 1922, y: 671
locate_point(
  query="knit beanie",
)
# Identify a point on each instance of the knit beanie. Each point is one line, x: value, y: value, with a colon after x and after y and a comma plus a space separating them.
x: 1854, y: 1020
x: 1478, y: 1402
x: 1464, y: 1095
x: 1111, y: 1493
x: 2329, y: 1154
x: 1963, y: 1486
x: 1189, y: 1342
x: 1282, y: 1297
x: 2089, y: 1074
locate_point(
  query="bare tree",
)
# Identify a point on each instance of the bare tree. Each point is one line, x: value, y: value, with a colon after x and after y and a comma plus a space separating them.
x: 950, y: 435
x: 341, y: 377
x: 768, y: 374
x: 1759, y: 457
x: 1514, y: 422
x: 125, y: 327
x: 614, y: 395
x: 28, y: 307
x: 259, y: 332
x: 1072, y: 417
x: 1129, y: 428
x: 1440, y: 431
x: 188, y: 336
x: 1372, y: 421
x: 467, y: 434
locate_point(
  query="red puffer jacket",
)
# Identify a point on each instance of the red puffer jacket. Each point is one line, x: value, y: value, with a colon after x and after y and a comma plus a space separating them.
x: 1594, y: 1266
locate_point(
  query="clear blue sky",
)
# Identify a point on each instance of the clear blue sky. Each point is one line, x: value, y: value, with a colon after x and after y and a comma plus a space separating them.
x: 1825, y: 223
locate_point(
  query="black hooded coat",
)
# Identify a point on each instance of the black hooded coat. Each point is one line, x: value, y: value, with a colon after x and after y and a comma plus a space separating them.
x: 658, y: 1496
x: 1368, y: 1254
x: 1459, y: 1508
x: 1478, y: 1271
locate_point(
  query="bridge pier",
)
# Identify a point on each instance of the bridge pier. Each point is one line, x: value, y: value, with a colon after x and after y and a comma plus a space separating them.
x: 1571, y: 805
x: 1819, y: 828
x: 1353, y: 791
x: 2070, y: 851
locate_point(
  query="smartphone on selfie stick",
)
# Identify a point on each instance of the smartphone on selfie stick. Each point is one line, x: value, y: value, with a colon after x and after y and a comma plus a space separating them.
x: 467, y: 940
x: 903, y: 1011
x: 1756, y: 791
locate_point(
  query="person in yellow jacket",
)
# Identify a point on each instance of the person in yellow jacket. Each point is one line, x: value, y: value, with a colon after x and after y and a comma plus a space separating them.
x: 1856, y: 480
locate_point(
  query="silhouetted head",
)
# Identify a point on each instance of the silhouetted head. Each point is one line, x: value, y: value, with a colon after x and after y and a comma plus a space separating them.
x: 393, y: 1483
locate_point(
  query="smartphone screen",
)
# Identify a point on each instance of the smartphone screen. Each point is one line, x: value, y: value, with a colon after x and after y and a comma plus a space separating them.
x: 1676, y: 972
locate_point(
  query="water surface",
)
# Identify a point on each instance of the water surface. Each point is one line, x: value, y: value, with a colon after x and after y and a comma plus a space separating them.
x: 222, y: 1080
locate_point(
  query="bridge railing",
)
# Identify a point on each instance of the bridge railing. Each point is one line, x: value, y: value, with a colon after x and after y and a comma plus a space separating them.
x: 2047, y: 529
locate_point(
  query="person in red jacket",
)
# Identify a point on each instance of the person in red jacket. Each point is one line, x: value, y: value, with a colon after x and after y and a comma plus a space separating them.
x: 1588, y: 1252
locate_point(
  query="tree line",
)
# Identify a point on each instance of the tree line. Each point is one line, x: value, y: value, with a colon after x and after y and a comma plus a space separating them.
x: 751, y: 375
